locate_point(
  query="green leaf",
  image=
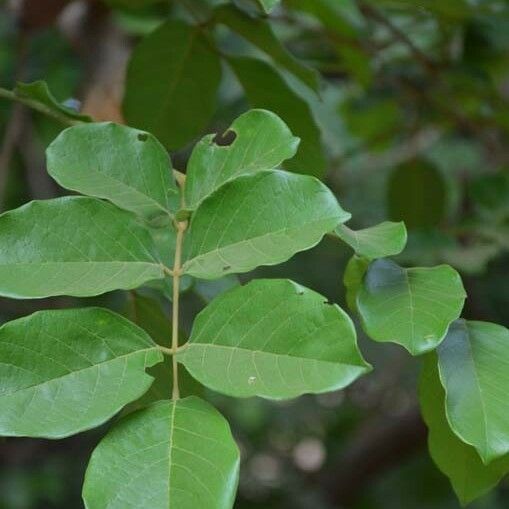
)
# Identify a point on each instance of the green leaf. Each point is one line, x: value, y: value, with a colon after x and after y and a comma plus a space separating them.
x: 412, y: 307
x: 39, y: 91
x: 73, y: 246
x: 384, y: 239
x: 352, y: 279
x: 265, y: 88
x: 126, y: 166
x: 268, y: 5
x: 70, y: 370
x: 209, y: 290
x: 469, y: 477
x: 473, y: 364
x: 273, y: 338
x: 259, y: 33
x: 262, y: 142
x: 172, y: 83
x: 173, y: 454
x: 259, y: 219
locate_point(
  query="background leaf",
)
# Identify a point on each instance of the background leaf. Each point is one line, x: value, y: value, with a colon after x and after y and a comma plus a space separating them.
x: 459, y: 461
x: 73, y: 246
x: 384, y: 239
x: 265, y: 88
x: 171, y: 454
x: 259, y: 219
x: 126, y: 166
x: 473, y: 360
x: 273, y: 338
x: 70, y: 370
x: 262, y: 142
x: 172, y: 83
x: 412, y: 307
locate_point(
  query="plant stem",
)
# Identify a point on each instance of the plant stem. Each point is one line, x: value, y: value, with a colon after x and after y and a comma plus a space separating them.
x: 177, y: 271
x: 38, y: 106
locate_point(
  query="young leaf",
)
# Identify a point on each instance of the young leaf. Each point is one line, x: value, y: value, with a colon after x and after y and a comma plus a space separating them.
x: 412, y: 307
x: 126, y: 166
x: 473, y: 364
x: 73, y: 246
x: 262, y: 142
x: 265, y: 88
x: 384, y: 239
x: 39, y: 92
x: 173, y: 454
x: 469, y: 477
x: 273, y: 338
x: 259, y: 33
x: 352, y: 279
x: 259, y: 219
x: 70, y: 370
x: 172, y: 83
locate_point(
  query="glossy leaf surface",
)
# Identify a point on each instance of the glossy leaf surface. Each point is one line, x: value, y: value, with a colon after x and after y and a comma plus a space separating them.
x: 70, y: 370
x: 412, y: 307
x: 173, y: 454
x: 473, y: 365
x: 259, y: 219
x: 262, y: 142
x: 273, y: 338
x: 73, y: 246
x: 123, y: 165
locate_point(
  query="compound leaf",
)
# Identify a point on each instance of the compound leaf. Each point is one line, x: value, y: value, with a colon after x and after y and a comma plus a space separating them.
x: 262, y: 142
x: 384, y: 239
x: 173, y: 454
x: 259, y: 219
x: 66, y: 371
x: 123, y: 165
x: 460, y: 462
x: 73, y: 246
x: 273, y: 338
x: 412, y: 307
x: 172, y: 83
x: 473, y: 362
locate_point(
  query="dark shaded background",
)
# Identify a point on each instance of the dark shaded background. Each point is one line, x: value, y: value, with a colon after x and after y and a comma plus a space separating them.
x: 415, y: 123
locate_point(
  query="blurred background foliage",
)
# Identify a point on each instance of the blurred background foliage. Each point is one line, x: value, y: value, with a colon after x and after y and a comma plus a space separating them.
x: 402, y: 109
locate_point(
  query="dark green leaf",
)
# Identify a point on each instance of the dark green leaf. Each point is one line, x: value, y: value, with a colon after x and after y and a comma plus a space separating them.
x: 412, y: 307
x: 469, y: 477
x: 273, y: 338
x: 384, y: 239
x: 262, y: 142
x: 352, y: 279
x: 473, y: 362
x: 265, y: 88
x: 173, y: 454
x: 259, y: 219
x: 172, y: 83
x: 70, y: 370
x: 73, y: 246
x: 126, y: 166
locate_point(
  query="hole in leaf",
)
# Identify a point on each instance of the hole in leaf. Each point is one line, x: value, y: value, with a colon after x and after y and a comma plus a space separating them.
x: 225, y: 139
x: 227, y: 267
x: 143, y: 136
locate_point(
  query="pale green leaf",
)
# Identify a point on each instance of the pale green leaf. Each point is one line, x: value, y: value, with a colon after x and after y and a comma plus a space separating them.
x: 265, y: 88
x: 39, y: 91
x: 273, y: 338
x: 268, y: 5
x: 73, y: 246
x: 460, y: 462
x: 171, y: 455
x: 172, y: 82
x: 262, y: 142
x: 384, y: 239
x: 259, y: 33
x: 259, y: 219
x: 127, y: 167
x: 70, y: 370
x: 412, y: 307
x: 473, y: 364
